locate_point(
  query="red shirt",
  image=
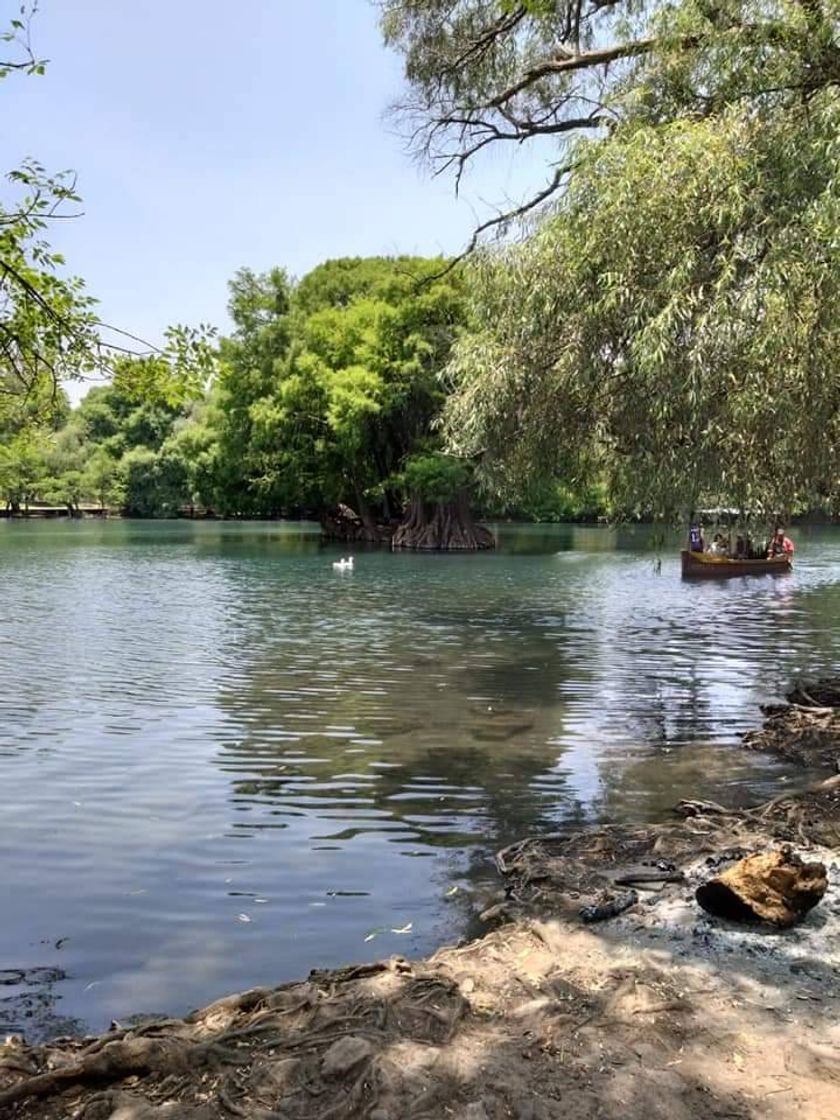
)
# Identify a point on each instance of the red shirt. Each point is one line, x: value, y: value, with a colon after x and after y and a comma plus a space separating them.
x: 777, y: 547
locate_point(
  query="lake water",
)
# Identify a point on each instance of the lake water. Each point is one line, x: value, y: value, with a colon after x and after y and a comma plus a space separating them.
x: 223, y: 763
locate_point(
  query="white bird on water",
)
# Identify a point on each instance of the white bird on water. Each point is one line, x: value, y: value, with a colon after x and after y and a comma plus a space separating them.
x: 343, y: 565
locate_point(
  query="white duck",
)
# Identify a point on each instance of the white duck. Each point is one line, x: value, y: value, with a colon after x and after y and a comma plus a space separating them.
x: 343, y: 565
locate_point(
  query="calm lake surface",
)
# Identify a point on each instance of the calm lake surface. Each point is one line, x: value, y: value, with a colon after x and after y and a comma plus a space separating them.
x: 223, y: 763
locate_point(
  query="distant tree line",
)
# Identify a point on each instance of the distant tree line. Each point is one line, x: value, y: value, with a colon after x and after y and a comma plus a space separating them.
x: 327, y: 394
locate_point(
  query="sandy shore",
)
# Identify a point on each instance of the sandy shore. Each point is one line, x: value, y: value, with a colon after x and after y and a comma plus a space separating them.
x: 659, y: 1012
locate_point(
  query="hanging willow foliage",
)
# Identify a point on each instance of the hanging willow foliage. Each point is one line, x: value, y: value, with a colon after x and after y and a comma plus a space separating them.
x: 673, y: 326
x: 670, y: 325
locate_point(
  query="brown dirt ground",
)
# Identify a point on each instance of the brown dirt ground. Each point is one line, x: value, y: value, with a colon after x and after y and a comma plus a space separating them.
x: 660, y: 1013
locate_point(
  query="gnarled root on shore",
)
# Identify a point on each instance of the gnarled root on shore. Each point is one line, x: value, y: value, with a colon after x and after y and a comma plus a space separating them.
x: 579, y: 873
x: 441, y: 527
x: 806, y: 730
x: 318, y: 1046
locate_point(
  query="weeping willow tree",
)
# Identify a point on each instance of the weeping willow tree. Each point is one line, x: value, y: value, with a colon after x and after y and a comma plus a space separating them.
x: 670, y: 323
x: 674, y: 326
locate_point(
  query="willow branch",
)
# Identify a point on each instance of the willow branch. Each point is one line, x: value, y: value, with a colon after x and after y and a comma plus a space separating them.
x: 567, y: 62
x: 506, y: 217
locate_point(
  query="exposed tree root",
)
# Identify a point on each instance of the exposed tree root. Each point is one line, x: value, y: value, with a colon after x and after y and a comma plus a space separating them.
x: 560, y: 871
x: 115, y: 1061
x: 806, y: 730
x: 272, y: 1039
x: 441, y: 527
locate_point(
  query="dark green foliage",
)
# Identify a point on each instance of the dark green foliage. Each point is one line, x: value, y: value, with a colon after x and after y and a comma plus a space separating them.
x: 434, y: 477
x: 327, y: 391
x: 331, y: 383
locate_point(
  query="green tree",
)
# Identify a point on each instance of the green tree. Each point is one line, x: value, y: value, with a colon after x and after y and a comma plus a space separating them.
x: 375, y: 336
x: 124, y: 450
x: 327, y: 385
x: 249, y: 371
x: 104, y: 479
x: 678, y: 339
x: 66, y: 489
x: 193, y: 443
x: 668, y: 327
x: 22, y: 470
x: 155, y: 483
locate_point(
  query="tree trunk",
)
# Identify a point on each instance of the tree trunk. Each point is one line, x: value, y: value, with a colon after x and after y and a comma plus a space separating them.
x: 441, y: 527
x: 370, y: 532
x: 345, y: 525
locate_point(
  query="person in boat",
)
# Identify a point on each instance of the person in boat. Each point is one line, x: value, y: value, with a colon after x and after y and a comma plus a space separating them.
x: 718, y: 546
x: 695, y: 539
x: 780, y: 544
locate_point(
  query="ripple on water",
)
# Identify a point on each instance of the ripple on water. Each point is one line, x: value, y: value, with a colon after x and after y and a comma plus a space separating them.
x: 202, y: 721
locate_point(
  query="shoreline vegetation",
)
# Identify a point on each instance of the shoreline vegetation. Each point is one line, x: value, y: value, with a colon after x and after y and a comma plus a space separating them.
x: 659, y: 1011
x: 332, y: 523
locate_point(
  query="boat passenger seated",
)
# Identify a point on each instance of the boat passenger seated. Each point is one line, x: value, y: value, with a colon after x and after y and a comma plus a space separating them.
x: 718, y: 546
x: 780, y: 544
x: 695, y: 539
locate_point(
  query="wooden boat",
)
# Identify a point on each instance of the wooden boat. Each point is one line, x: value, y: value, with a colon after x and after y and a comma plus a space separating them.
x: 707, y: 565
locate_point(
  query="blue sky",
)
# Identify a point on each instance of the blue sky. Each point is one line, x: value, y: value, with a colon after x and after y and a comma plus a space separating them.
x: 209, y: 135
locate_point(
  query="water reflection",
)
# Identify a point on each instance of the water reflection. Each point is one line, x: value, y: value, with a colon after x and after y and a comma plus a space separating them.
x: 439, y: 741
x: 224, y: 763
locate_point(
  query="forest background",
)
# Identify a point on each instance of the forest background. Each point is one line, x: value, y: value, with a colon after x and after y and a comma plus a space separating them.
x: 656, y: 329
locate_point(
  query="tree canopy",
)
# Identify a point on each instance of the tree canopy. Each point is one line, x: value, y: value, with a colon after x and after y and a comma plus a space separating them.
x: 327, y: 392
x: 324, y: 393
x: 669, y: 322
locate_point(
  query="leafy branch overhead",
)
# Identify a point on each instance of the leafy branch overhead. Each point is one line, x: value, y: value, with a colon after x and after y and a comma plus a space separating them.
x: 16, y: 51
x: 488, y: 74
x: 668, y: 325
x: 49, y: 329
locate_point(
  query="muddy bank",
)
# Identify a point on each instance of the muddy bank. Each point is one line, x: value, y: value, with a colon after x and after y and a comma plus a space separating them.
x: 805, y: 730
x: 657, y: 1011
